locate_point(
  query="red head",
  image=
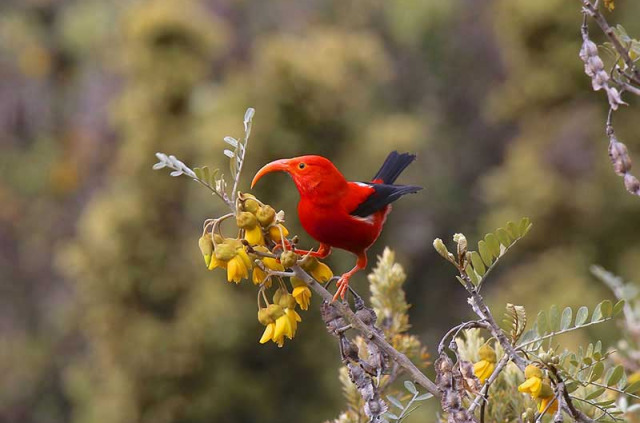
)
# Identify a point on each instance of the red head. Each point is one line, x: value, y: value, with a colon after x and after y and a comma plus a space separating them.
x: 313, y: 175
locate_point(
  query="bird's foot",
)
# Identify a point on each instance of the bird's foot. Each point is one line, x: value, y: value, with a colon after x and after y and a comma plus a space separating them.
x: 342, y: 286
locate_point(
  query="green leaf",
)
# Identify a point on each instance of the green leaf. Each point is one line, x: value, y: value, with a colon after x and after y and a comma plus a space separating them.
x: 597, y: 314
x: 485, y: 253
x: 633, y: 388
x: 596, y: 371
x: 462, y: 282
x: 597, y: 347
x: 554, y: 318
x: 206, y: 174
x: 606, y: 308
x: 472, y: 275
x: 617, y: 308
x: 615, y: 375
x: 542, y: 323
x: 493, y: 244
x: 587, y: 360
x: 423, y: 397
x: 595, y: 394
x: 503, y: 237
x: 565, y: 321
x: 512, y: 229
x: 571, y: 386
x: 393, y: 400
x: 524, y: 226
x: 198, y: 172
x: 478, y: 265
x: 582, y: 315
x: 410, y: 387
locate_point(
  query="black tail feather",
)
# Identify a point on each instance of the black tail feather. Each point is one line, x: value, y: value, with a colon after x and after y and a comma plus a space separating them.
x: 393, y: 166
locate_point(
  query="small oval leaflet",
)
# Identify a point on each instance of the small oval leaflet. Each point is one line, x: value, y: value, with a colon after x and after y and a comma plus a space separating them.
x: 582, y: 315
x: 410, y: 387
x: 565, y: 321
x: 596, y: 372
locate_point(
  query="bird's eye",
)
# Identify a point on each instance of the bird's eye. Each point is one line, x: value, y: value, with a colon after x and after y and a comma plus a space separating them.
x: 301, y: 166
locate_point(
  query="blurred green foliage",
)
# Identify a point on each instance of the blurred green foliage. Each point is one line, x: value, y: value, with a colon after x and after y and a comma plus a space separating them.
x: 106, y: 312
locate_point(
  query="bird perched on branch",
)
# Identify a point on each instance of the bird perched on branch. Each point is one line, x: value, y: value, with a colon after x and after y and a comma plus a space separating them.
x: 342, y: 214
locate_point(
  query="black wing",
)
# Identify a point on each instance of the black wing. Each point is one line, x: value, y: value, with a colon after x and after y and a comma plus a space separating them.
x: 384, y: 194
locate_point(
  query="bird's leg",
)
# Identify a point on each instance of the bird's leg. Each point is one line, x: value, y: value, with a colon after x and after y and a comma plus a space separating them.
x: 343, y: 282
x: 323, y: 251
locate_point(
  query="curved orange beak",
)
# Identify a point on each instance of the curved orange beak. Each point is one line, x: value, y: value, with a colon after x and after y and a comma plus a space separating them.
x: 281, y: 165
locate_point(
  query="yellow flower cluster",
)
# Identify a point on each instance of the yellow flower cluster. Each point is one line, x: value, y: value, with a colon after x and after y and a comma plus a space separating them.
x: 539, y: 389
x: 262, y: 249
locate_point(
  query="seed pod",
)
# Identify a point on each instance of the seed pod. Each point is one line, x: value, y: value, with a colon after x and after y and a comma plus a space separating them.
x: 619, y: 156
x: 266, y: 215
x: 246, y: 220
x: 288, y: 259
x: 632, y: 184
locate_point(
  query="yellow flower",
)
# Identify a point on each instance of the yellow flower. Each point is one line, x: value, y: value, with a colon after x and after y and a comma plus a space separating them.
x: 258, y: 275
x: 214, y: 262
x: 236, y: 270
x: 254, y: 235
x: 283, y: 328
x: 320, y: 271
x: 533, y: 383
x: 301, y: 293
x: 483, y: 368
x: 274, y: 232
x: 294, y: 318
x: 267, y: 335
x: 546, y: 400
x: 273, y: 264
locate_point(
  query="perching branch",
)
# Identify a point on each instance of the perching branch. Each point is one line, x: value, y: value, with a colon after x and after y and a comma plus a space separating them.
x: 357, y: 324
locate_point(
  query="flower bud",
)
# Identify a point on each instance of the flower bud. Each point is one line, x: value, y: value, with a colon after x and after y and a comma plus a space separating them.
x: 288, y: 259
x: 250, y: 205
x: 277, y: 296
x: 246, y: 220
x: 225, y: 252
x: 461, y: 240
x: 206, y: 247
x: 266, y: 215
x: 288, y: 301
x: 632, y: 184
x: 218, y: 238
x: 442, y: 250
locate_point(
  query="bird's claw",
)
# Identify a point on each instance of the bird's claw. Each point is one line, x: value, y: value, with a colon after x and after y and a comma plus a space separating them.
x: 342, y: 286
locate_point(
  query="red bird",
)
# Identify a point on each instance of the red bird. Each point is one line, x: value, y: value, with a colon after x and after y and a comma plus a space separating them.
x: 342, y: 214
